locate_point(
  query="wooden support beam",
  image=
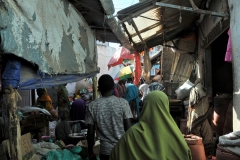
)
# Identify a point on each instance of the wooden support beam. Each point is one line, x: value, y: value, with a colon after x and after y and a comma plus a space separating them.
x: 136, y: 29
x: 129, y: 35
x: 10, y: 98
x: 94, y: 86
x: 200, y: 11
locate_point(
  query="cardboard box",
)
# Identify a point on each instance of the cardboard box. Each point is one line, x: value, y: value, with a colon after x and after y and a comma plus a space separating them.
x: 27, y: 149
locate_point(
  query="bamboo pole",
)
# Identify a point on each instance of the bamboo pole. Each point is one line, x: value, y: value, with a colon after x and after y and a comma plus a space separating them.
x: 10, y: 98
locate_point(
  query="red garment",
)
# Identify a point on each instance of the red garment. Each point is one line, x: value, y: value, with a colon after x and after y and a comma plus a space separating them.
x: 138, y: 68
x: 116, y: 92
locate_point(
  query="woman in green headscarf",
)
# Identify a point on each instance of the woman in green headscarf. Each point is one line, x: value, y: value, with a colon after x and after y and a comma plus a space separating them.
x: 155, y: 137
x: 63, y: 99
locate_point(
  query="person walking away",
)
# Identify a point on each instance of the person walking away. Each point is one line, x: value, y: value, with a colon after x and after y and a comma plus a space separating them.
x: 132, y: 97
x: 121, y: 88
x: 63, y: 100
x: 155, y: 137
x: 110, y: 114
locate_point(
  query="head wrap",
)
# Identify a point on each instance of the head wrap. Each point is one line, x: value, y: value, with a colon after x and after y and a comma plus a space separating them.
x: 156, y: 136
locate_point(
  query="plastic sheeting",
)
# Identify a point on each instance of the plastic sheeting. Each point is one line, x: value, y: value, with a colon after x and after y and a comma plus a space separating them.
x: 30, y: 79
x: 11, y: 74
x: 23, y: 77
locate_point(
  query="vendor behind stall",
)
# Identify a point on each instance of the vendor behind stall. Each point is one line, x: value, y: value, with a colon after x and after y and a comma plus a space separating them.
x: 63, y: 128
x: 44, y: 101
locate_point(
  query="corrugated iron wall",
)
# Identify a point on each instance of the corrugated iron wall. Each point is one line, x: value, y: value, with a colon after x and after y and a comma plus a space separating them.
x: 184, y: 68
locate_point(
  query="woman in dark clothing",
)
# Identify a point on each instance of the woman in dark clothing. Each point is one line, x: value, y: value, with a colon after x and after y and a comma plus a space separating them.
x: 78, y: 111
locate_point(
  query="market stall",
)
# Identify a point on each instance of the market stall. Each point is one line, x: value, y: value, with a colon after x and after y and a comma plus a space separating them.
x: 40, y: 51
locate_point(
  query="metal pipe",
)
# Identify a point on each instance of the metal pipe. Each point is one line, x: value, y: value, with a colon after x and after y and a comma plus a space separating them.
x: 200, y: 11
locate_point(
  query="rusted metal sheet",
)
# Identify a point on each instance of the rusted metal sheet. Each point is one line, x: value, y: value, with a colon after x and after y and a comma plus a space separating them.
x: 184, y: 68
x: 211, y: 27
x: 155, y: 24
x: 49, y: 33
x: 94, y: 12
x: 211, y: 13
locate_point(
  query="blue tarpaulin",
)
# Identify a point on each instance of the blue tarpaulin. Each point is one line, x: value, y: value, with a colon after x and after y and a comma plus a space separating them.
x: 24, y: 77
x: 11, y: 74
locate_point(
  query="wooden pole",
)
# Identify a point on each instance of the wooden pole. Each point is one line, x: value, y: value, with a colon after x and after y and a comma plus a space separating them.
x: 10, y: 98
x: 94, y: 87
x: 147, y: 65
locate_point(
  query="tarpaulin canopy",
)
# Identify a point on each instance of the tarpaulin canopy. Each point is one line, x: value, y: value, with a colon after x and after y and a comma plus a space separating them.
x: 118, y: 57
x: 24, y: 76
x: 51, y: 34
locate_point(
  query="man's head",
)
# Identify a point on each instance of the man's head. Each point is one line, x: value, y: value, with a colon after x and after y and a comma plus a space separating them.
x: 105, y: 83
x: 64, y: 114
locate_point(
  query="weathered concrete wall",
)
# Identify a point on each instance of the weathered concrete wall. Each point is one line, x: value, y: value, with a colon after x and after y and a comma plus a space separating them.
x: 104, y: 55
x: 234, y: 7
x: 49, y: 33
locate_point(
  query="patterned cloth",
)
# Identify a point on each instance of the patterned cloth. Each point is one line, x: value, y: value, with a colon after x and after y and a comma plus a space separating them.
x: 108, y: 113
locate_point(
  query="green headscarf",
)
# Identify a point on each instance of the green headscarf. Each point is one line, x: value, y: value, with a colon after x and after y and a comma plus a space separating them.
x: 155, y: 137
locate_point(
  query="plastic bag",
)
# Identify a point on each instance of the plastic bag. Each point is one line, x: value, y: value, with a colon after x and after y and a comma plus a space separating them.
x: 27, y: 109
x: 228, y: 55
x: 64, y: 154
x: 184, y: 90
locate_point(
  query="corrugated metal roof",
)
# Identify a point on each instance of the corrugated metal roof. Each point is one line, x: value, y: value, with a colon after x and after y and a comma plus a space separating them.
x: 93, y: 12
x: 155, y: 24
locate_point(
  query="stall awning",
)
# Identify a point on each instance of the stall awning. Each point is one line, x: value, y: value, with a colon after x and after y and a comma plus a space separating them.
x: 153, y: 22
x: 51, y: 34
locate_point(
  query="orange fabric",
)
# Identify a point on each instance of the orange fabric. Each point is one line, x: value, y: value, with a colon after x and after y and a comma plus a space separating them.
x: 45, y: 98
x: 138, y: 68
